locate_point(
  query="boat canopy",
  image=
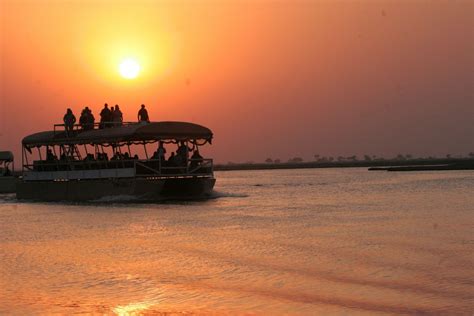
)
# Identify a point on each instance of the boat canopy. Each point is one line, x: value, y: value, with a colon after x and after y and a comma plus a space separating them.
x: 126, y: 134
x: 6, y: 156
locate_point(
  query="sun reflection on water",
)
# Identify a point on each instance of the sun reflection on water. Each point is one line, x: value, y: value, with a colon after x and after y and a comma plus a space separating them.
x: 132, y: 308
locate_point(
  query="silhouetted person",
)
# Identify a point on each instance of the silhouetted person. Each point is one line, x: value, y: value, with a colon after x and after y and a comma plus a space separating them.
x: 111, y: 121
x: 172, y: 160
x: 117, y: 116
x: 143, y: 115
x: 87, y: 119
x: 182, y: 153
x: 69, y: 121
x: 50, y: 156
x: 83, y: 119
x: 102, y: 157
x: 89, y: 157
x: 161, y: 152
x: 90, y: 119
x: 105, y: 116
x: 196, y: 160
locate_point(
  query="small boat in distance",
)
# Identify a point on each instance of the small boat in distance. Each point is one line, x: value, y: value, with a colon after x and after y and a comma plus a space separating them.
x: 7, y: 167
x: 74, y: 165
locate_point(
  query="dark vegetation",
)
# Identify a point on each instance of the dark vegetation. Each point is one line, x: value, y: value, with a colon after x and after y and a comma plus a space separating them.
x: 398, y: 163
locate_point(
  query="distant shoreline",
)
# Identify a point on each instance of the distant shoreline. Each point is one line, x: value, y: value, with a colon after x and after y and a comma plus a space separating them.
x: 389, y: 165
x: 375, y: 165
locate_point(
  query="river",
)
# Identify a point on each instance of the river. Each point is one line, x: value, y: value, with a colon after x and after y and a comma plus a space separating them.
x: 300, y: 242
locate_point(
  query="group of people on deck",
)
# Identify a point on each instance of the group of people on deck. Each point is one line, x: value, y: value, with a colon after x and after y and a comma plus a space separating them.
x: 114, y: 117
x: 176, y: 159
x: 108, y: 118
x: 179, y: 158
x: 177, y: 162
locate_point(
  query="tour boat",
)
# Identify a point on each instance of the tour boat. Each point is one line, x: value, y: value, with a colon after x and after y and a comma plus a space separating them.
x: 7, y: 179
x: 73, y: 165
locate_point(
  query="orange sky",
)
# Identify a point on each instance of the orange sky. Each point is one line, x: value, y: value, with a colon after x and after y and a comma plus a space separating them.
x: 271, y: 78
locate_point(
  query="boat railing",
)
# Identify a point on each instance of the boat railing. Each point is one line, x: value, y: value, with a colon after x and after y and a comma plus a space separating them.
x: 142, y: 168
x: 76, y: 128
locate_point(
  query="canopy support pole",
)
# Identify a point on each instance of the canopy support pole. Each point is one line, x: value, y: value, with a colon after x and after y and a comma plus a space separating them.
x: 146, y: 153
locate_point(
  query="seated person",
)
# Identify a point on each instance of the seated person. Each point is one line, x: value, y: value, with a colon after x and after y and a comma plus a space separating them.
x: 50, y: 156
x: 183, y: 153
x: 116, y: 156
x: 161, y: 151
x: 196, y: 160
x: 89, y: 157
x: 172, y: 160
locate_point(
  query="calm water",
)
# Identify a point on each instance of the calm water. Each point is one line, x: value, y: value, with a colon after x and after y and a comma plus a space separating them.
x: 340, y: 241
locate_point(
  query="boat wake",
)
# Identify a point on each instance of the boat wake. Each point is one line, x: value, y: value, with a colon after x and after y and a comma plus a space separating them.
x: 219, y: 194
x: 125, y: 199
x: 7, y: 198
x: 118, y: 199
x: 150, y: 199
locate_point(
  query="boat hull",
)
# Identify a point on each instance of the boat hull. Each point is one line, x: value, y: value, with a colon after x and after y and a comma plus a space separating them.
x: 134, y: 189
x: 8, y: 184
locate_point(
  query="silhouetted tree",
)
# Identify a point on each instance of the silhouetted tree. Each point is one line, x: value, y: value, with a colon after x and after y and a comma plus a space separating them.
x: 296, y: 160
x: 268, y: 160
x: 323, y: 159
x: 352, y: 158
x: 277, y: 161
x: 367, y: 158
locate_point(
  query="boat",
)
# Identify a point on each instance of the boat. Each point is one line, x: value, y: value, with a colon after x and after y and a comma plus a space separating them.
x: 73, y: 165
x: 7, y: 167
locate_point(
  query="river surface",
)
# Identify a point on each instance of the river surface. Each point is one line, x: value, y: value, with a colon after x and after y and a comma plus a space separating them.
x: 299, y: 242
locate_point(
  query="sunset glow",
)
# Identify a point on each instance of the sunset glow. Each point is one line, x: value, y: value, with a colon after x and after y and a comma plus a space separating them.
x: 298, y: 78
x: 129, y: 68
x: 227, y: 157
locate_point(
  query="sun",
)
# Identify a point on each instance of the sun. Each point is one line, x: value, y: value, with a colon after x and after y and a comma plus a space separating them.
x: 129, y: 68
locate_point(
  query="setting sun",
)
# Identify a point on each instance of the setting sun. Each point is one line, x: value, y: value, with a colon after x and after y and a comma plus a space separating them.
x: 129, y: 68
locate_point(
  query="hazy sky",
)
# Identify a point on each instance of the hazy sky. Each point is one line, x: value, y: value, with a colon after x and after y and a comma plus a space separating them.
x: 271, y: 78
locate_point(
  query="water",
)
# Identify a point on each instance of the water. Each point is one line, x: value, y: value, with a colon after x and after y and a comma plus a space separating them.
x: 315, y: 241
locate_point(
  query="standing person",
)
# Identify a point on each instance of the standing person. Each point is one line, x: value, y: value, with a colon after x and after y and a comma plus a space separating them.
x: 83, y: 119
x: 143, y: 115
x: 105, y: 116
x: 183, y: 153
x: 87, y: 119
x: 90, y: 119
x: 117, y: 116
x: 69, y: 121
